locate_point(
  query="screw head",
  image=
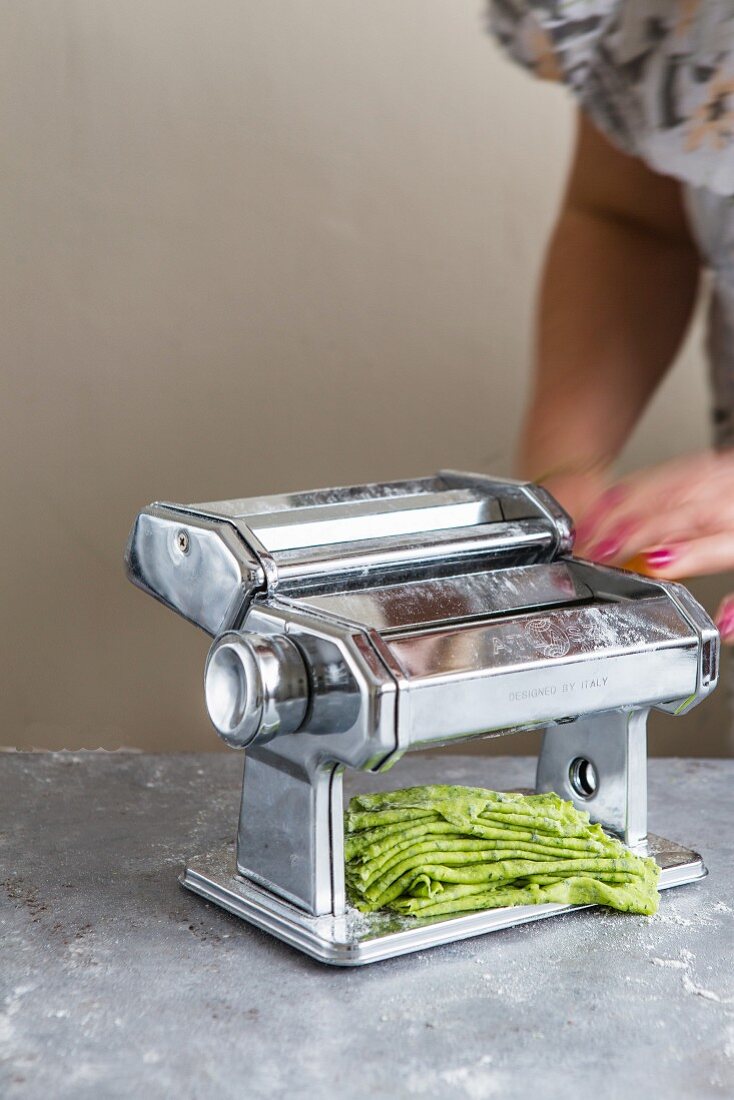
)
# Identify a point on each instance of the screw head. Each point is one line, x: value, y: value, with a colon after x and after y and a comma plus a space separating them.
x: 182, y: 541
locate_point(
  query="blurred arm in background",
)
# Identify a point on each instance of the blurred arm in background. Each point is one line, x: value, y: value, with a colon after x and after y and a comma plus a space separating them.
x: 617, y: 293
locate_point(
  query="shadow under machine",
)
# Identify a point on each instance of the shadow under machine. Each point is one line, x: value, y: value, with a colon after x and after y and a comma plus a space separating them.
x: 352, y: 625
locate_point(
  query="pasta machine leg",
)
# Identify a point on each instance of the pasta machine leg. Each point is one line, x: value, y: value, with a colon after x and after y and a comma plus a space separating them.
x: 600, y: 764
x: 290, y: 837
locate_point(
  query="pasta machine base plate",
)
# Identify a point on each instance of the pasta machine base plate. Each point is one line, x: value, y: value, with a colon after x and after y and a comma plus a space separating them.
x: 354, y: 938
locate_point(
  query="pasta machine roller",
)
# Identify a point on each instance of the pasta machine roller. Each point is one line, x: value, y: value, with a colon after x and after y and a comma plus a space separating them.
x: 352, y: 625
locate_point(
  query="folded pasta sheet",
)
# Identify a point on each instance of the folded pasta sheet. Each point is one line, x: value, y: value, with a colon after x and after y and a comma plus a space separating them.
x: 439, y: 850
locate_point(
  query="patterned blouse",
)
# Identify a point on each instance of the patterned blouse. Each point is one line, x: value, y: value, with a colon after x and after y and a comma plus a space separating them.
x: 657, y: 77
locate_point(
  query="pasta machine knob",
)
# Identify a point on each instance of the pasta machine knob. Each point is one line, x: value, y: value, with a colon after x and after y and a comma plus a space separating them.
x: 256, y: 686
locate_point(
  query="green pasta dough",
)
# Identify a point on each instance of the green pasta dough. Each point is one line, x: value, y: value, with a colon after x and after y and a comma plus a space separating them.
x: 441, y: 850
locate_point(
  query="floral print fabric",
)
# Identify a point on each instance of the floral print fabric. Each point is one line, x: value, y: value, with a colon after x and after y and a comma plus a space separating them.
x: 657, y: 76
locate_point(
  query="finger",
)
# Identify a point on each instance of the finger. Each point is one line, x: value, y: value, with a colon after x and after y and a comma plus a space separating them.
x: 686, y: 523
x: 698, y: 558
x: 725, y: 619
x: 648, y: 516
x: 630, y: 534
x: 638, y: 519
x: 621, y: 541
x: 654, y: 492
x: 592, y: 517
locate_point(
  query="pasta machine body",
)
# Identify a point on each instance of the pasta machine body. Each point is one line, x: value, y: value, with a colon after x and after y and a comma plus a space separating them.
x: 352, y: 625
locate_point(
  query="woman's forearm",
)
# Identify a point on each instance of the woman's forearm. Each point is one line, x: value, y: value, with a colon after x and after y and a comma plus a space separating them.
x: 616, y: 296
x: 614, y: 305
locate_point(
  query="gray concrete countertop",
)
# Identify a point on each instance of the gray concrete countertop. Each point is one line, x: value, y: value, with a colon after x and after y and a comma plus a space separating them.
x: 115, y: 982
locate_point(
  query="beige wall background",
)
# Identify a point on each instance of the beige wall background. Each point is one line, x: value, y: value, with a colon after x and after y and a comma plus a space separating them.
x: 251, y: 247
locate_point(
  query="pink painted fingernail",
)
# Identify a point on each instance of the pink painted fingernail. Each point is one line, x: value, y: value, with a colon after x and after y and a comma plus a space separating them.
x: 660, y: 558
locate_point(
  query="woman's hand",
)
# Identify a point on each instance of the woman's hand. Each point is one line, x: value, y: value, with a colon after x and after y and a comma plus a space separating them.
x: 671, y: 521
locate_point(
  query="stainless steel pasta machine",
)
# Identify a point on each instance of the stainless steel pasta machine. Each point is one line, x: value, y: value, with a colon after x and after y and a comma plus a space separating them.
x: 354, y: 624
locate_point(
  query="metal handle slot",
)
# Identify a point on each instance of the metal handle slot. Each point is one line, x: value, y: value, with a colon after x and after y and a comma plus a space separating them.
x: 582, y: 777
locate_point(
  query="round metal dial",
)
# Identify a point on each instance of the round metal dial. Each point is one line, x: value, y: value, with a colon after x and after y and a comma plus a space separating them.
x: 256, y: 686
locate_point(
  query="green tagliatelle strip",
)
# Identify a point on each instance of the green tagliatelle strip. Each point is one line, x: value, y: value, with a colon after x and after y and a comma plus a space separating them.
x: 440, y: 850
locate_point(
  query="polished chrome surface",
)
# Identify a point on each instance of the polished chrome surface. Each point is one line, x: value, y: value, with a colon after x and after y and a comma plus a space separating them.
x: 517, y: 498
x: 255, y: 687
x: 290, y: 832
x: 529, y: 670
x: 372, y: 526
x: 354, y: 939
x: 459, y: 598
x: 207, y: 561
x: 375, y: 491
x: 354, y: 624
x: 351, y: 714
x: 195, y: 565
x: 326, y: 524
x: 438, y: 553
x: 611, y: 750
x: 708, y: 648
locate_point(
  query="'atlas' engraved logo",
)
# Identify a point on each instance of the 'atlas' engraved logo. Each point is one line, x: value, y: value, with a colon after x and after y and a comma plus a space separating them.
x: 550, y: 638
